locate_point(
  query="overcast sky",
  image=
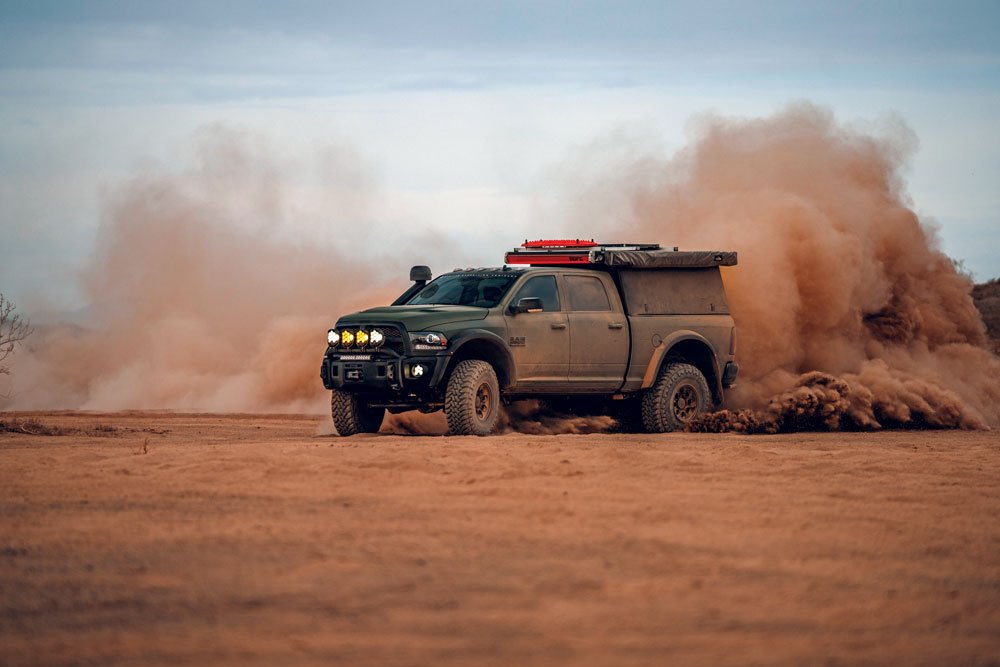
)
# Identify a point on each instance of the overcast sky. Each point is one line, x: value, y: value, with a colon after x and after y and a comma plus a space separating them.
x: 456, y: 112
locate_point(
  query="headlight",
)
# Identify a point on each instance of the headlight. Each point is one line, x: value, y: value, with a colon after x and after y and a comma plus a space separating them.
x: 346, y: 338
x: 428, y: 340
x: 332, y: 337
x: 361, y: 337
x: 376, y: 337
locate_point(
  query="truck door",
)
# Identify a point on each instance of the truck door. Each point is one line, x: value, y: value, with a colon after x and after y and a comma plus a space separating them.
x: 539, y: 342
x: 598, y: 332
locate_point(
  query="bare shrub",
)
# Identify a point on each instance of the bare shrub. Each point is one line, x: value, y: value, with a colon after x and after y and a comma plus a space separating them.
x: 32, y: 427
x: 13, y: 330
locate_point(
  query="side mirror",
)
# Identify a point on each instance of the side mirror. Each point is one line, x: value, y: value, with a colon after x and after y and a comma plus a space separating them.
x: 529, y: 304
x: 420, y: 273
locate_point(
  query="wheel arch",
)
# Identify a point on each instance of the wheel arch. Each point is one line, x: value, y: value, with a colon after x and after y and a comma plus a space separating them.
x: 489, y: 347
x: 693, y: 348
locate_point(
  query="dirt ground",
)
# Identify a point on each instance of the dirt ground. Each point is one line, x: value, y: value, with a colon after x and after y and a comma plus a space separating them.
x: 154, y: 539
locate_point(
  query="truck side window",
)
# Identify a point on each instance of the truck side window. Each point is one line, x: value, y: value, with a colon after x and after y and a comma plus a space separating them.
x: 586, y: 293
x: 543, y: 287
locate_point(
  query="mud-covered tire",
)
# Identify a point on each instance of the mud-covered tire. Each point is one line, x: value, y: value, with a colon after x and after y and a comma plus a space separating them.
x: 352, y: 415
x: 472, y: 398
x: 679, y: 394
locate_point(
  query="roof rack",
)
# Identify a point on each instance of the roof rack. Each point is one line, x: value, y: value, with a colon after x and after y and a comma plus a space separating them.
x: 553, y: 252
x: 576, y: 252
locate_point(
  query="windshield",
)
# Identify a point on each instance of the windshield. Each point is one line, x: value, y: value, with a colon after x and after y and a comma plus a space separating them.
x: 484, y: 290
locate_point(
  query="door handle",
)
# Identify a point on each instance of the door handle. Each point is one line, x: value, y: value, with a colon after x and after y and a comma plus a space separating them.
x: 616, y: 325
x: 558, y: 325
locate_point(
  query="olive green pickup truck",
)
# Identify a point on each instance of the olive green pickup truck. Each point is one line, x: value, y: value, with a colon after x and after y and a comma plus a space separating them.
x: 636, y: 331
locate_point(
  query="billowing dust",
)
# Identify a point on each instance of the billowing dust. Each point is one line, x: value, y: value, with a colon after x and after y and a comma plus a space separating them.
x: 849, y: 315
x: 200, y: 295
x: 533, y: 417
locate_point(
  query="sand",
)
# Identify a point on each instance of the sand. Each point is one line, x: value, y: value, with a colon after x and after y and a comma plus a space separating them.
x: 156, y: 539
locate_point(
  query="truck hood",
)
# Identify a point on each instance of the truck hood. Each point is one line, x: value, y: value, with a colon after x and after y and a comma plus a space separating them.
x: 416, y: 318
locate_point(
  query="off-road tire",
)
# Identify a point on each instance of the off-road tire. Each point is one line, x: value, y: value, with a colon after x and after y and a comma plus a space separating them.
x: 679, y: 394
x: 352, y: 415
x: 472, y: 399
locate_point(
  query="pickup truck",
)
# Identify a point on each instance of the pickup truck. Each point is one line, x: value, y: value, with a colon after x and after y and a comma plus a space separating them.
x: 641, y: 332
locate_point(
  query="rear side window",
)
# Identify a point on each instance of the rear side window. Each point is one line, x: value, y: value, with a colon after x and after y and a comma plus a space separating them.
x: 586, y: 293
x: 542, y: 287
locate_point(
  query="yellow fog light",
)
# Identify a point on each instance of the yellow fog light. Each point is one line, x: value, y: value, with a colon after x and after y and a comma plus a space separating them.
x: 361, y: 337
x: 346, y: 338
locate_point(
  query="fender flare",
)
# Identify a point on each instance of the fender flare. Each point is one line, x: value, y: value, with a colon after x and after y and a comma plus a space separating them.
x: 495, y: 342
x: 660, y: 353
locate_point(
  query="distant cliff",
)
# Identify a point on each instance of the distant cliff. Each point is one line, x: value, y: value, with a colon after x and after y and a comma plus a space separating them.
x: 987, y: 298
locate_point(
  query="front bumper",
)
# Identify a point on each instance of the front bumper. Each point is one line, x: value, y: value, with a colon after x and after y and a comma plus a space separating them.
x: 384, y: 372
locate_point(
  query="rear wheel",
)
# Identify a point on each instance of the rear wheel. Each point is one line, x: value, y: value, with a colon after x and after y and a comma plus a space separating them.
x: 472, y: 399
x: 679, y: 394
x: 352, y: 414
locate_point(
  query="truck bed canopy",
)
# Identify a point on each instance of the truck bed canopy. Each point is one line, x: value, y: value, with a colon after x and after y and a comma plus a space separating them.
x: 681, y: 291
x: 665, y: 259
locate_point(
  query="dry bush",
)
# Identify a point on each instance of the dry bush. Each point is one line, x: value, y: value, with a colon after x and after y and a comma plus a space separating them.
x: 32, y: 426
x: 13, y: 330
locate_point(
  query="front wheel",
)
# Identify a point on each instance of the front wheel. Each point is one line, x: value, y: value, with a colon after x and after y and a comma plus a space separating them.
x: 353, y: 415
x: 679, y: 394
x: 472, y: 399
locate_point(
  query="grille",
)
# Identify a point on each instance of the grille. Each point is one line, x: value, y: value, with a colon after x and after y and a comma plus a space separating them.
x: 394, y: 344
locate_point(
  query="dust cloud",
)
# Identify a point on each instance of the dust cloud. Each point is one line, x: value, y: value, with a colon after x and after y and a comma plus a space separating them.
x: 540, y: 418
x: 415, y: 422
x: 849, y: 315
x: 200, y: 299
x: 534, y: 417
x: 204, y: 297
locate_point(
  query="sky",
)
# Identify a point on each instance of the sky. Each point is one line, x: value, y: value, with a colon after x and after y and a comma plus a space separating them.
x: 453, y: 119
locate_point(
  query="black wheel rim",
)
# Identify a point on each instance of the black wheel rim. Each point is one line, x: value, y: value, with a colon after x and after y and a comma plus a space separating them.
x: 484, y: 402
x: 685, y: 402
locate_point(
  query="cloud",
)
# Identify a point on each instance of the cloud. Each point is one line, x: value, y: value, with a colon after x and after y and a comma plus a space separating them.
x: 462, y: 112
